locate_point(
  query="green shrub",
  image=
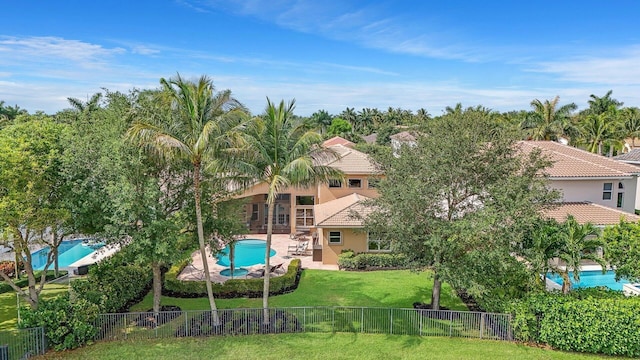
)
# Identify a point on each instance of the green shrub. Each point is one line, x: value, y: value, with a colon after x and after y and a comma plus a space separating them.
x: 4, y: 287
x: 67, y: 325
x: 348, y: 260
x: 113, y: 285
x: 589, y: 320
x: 231, y: 288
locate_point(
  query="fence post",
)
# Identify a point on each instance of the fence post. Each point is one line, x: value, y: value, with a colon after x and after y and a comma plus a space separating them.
x: 421, y: 313
x: 362, y: 319
x: 333, y: 319
x: 391, y: 321
x: 450, y: 323
x: 482, y: 316
x: 44, y: 341
x: 304, y: 319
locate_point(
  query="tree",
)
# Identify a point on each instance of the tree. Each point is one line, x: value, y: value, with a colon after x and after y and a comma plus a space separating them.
x: 339, y: 127
x: 540, y: 249
x: 631, y: 123
x: 203, y: 127
x: 578, y: 242
x: 623, y: 249
x: 598, y: 131
x: 548, y: 121
x: 284, y: 154
x: 322, y: 120
x: 463, y: 190
x: 599, y: 105
x: 31, y: 192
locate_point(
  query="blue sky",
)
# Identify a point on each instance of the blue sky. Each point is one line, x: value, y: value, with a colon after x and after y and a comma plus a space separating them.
x: 326, y: 54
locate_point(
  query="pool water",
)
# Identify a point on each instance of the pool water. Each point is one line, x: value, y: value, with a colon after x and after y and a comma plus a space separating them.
x: 247, y: 253
x: 592, y: 279
x: 236, y: 272
x: 69, y: 252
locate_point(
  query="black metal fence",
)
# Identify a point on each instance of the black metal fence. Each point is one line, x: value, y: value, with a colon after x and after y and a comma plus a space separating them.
x: 22, y: 343
x: 305, y: 319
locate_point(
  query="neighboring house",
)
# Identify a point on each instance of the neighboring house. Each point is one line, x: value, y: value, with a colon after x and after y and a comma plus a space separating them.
x: 402, y: 138
x: 370, y: 139
x: 586, y: 212
x: 316, y: 209
x: 337, y: 140
x: 632, y: 158
x: 582, y: 176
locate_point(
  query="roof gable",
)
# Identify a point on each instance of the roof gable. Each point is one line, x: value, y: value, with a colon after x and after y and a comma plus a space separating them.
x: 586, y: 212
x: 351, y: 161
x: 337, y: 140
x: 339, y: 212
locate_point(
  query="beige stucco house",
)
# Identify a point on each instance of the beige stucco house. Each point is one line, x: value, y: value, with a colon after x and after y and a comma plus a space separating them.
x: 322, y: 209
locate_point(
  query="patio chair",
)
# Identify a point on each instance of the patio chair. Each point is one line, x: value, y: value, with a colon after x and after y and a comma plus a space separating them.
x: 293, y: 248
x: 302, y: 248
x: 275, y: 268
x: 256, y: 274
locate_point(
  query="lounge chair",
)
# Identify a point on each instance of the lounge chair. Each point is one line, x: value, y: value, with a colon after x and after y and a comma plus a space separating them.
x: 275, y: 268
x: 256, y: 274
x: 302, y: 248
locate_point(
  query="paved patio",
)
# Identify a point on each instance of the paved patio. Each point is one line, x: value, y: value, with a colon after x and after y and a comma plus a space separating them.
x: 279, y: 243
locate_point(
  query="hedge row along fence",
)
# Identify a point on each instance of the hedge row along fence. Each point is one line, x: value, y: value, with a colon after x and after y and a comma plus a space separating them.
x: 598, y: 323
x: 349, y: 260
x: 233, y: 288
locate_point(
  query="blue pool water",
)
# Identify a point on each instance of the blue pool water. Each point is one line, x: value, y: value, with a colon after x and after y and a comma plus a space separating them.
x: 592, y: 279
x: 248, y: 252
x: 69, y: 252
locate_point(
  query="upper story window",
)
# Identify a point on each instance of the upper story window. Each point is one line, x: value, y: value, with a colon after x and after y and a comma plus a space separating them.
x: 305, y: 200
x: 335, y: 183
x: 355, y: 183
x: 607, y: 191
x: 620, y: 186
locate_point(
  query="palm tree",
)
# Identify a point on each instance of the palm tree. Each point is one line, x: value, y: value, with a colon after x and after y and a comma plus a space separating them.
x: 542, y: 247
x: 548, y: 121
x: 599, y: 105
x: 284, y: 154
x: 202, y: 129
x: 631, y: 123
x: 598, y: 131
x: 579, y: 242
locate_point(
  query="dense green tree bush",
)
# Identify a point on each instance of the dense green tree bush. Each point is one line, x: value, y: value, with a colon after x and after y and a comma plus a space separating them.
x: 67, y: 324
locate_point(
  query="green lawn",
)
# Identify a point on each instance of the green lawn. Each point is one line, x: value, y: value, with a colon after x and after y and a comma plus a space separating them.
x: 394, y: 289
x: 314, y: 346
x: 8, y: 308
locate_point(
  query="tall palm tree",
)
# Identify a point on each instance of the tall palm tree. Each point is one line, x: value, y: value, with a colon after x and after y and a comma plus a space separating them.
x: 283, y: 153
x: 203, y: 128
x: 600, y: 130
x: 579, y: 242
x: 631, y: 123
x: 599, y: 105
x: 548, y: 121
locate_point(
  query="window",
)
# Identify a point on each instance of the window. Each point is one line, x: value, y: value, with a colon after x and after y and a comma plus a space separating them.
x: 620, y: 186
x: 335, y: 237
x: 377, y: 243
x: 372, y: 183
x: 355, y: 183
x: 607, y: 191
x: 254, y: 212
x: 335, y: 183
x: 620, y: 200
x: 304, y: 200
x: 304, y: 217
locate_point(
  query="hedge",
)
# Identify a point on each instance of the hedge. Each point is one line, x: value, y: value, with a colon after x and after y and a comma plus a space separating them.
x: 348, y: 260
x: 113, y: 284
x: 591, y: 321
x: 23, y: 281
x: 233, y: 288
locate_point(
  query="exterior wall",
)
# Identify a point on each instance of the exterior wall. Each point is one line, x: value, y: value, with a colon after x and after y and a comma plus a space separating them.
x: 591, y: 190
x: 354, y: 239
x: 325, y: 193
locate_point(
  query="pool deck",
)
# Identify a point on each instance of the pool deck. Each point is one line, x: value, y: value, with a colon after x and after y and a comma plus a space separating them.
x: 279, y: 242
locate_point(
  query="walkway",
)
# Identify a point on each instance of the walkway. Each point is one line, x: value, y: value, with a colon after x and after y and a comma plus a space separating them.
x: 279, y: 243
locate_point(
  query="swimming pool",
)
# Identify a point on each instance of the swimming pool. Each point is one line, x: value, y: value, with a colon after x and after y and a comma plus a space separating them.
x: 247, y: 253
x: 592, y: 279
x: 69, y: 252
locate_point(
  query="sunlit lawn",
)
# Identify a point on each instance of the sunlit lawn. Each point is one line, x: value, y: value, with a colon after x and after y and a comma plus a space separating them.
x: 394, y: 289
x: 8, y: 304
x: 311, y: 346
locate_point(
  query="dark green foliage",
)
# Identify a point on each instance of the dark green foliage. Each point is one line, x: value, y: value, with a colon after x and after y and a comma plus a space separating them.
x: 231, y: 288
x: 623, y: 249
x: 4, y: 287
x: 348, y: 260
x: 67, y: 324
x: 113, y: 285
x: 591, y: 320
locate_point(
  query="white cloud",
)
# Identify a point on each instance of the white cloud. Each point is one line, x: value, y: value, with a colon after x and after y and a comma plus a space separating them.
x: 620, y: 67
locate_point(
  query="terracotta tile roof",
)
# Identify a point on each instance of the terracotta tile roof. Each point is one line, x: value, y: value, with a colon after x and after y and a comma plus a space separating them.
x: 339, y: 212
x: 352, y: 161
x: 632, y: 156
x: 585, y: 212
x: 570, y: 162
x: 337, y: 140
x: 403, y: 136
